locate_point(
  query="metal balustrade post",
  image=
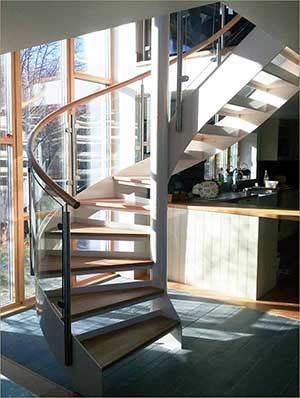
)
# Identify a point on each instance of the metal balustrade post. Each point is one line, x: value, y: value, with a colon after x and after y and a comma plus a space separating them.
x: 142, y: 121
x: 220, y: 43
x: 73, y: 154
x: 179, y: 73
x: 66, y: 285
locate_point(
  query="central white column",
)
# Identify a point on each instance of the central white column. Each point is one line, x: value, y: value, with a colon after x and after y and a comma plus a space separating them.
x: 159, y: 148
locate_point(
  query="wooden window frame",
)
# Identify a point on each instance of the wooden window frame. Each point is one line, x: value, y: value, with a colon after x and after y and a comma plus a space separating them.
x: 16, y: 143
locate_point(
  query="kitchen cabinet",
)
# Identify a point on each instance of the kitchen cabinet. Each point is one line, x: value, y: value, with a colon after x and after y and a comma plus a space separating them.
x: 278, y: 139
x: 266, y: 200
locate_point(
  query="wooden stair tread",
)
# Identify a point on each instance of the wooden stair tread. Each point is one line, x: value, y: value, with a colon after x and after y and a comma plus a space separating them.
x: 117, y: 204
x: 216, y: 130
x: 86, y: 304
x: 134, y: 179
x: 249, y: 103
x: 110, y: 347
x: 282, y: 74
x: 90, y: 229
x: 52, y: 264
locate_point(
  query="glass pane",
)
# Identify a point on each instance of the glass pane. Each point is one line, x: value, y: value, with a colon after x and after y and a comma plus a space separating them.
x: 221, y: 165
x: 92, y: 125
x: 28, y: 278
x: 233, y: 156
x: 43, y: 82
x: 51, y: 150
x: 5, y: 95
x: 47, y: 215
x: 43, y: 91
x: 83, y: 88
x: 92, y: 53
x: 6, y: 238
x: 208, y: 168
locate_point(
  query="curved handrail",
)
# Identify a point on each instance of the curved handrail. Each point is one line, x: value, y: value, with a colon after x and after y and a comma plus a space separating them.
x: 34, y: 164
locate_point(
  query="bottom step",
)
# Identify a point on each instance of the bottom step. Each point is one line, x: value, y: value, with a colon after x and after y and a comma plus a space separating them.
x: 108, y: 348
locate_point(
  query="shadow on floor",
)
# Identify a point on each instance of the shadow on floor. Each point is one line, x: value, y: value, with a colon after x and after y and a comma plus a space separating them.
x: 228, y: 350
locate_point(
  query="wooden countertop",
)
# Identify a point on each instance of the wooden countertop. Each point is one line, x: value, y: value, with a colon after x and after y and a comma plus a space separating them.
x: 233, y: 208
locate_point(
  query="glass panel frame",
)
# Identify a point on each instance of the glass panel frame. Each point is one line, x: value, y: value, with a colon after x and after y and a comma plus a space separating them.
x: 6, y: 127
x: 7, y: 249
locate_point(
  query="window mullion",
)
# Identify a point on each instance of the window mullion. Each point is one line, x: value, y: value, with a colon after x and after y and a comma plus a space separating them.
x: 18, y: 198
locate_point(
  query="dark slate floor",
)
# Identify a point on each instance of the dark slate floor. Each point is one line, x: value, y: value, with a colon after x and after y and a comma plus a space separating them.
x: 10, y: 389
x: 228, y: 351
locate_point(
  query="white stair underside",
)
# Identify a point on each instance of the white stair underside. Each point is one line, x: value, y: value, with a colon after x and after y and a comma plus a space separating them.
x: 224, y: 83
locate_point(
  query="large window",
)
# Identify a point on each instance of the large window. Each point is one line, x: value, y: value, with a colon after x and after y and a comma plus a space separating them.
x: 91, y: 54
x: 7, y: 263
x: 221, y: 162
x: 92, y: 120
x: 6, y: 235
x: 43, y: 80
x: 5, y: 96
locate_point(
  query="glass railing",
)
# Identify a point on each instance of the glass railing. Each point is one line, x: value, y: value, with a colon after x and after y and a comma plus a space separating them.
x: 50, y: 254
x: 77, y: 146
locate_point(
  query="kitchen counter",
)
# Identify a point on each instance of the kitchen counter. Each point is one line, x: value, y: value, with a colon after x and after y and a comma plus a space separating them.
x: 255, y: 204
x: 229, y: 244
x: 236, y: 196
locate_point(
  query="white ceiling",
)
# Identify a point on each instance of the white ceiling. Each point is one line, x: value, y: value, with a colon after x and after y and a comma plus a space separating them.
x: 26, y: 23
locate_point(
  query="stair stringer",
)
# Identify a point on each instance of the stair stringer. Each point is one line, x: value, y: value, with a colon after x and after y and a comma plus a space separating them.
x: 83, y: 367
x: 104, y: 188
x: 223, y: 84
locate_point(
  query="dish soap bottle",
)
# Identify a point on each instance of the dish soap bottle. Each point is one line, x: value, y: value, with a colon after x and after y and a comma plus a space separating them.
x: 266, y: 177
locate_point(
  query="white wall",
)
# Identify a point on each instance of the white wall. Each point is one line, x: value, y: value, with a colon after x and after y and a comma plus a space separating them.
x: 278, y: 18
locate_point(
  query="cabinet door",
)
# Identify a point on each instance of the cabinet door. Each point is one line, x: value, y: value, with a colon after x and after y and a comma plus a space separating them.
x: 288, y: 139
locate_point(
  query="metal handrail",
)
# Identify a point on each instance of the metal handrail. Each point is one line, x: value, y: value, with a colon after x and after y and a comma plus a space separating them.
x: 66, y: 197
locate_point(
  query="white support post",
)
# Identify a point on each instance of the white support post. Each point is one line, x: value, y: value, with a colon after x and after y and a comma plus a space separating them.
x: 159, y: 148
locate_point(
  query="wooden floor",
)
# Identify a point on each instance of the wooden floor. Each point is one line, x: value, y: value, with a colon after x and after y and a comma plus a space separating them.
x: 273, y: 303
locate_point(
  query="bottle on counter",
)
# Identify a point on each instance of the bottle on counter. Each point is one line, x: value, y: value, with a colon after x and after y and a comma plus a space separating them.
x: 266, y: 177
x: 221, y: 178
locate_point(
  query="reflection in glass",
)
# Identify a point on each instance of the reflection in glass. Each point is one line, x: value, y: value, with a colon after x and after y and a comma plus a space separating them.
x: 6, y: 233
x: 43, y: 91
x: 5, y: 95
x: 92, y: 124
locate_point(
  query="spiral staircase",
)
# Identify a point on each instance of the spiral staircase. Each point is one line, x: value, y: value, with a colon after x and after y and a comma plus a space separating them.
x: 253, y: 80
